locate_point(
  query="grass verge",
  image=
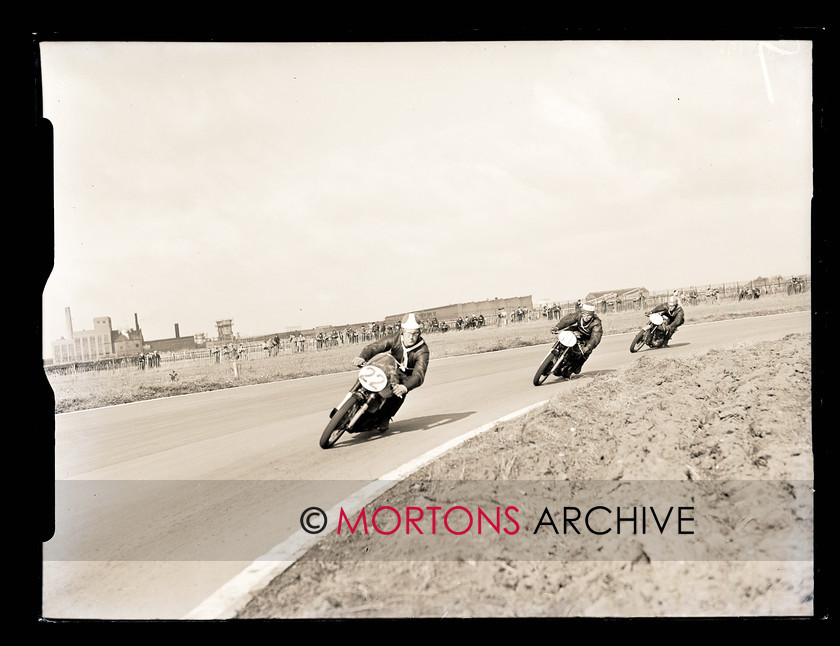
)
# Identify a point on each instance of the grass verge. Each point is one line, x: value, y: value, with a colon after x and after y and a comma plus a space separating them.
x: 86, y: 390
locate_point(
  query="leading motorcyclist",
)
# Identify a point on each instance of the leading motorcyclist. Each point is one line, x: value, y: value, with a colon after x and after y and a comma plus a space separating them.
x: 676, y: 316
x: 409, y: 348
x: 586, y: 325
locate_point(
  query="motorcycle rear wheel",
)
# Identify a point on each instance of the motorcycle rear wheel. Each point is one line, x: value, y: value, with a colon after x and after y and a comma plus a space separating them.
x: 338, y: 423
x: 544, y: 370
x: 638, y: 342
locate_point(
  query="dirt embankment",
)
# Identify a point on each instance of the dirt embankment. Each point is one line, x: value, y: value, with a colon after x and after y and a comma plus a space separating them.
x: 732, y: 415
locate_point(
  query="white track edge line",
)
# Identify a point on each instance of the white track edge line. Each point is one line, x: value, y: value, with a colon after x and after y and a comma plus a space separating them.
x: 233, y: 595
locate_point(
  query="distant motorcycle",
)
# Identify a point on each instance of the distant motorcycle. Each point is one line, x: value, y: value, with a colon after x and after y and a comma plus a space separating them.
x: 561, y: 359
x: 652, y: 333
x: 374, y: 385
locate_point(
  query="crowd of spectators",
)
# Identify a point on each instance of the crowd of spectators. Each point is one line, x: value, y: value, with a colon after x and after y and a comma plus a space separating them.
x: 337, y: 336
x: 148, y: 360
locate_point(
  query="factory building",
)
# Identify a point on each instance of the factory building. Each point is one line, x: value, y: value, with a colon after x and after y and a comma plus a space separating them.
x: 100, y: 343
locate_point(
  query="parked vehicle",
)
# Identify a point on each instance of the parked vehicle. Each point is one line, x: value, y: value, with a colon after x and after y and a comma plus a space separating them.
x: 652, y: 333
x: 374, y: 385
x: 561, y: 359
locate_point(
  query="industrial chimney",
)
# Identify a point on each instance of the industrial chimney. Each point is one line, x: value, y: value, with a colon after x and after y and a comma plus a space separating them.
x: 69, y: 322
x: 177, y: 332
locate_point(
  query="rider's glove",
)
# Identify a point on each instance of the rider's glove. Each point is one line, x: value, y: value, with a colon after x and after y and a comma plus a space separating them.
x: 400, y: 390
x: 358, y: 362
x: 554, y: 330
x: 647, y: 313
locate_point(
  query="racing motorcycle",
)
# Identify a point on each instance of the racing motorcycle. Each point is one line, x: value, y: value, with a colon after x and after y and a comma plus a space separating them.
x: 374, y: 385
x: 652, y: 333
x: 561, y: 359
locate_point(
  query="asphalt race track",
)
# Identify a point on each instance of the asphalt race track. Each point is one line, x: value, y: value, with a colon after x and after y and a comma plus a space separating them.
x: 162, y: 507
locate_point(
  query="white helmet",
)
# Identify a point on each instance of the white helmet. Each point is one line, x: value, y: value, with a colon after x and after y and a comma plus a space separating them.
x: 586, y: 307
x: 411, y: 323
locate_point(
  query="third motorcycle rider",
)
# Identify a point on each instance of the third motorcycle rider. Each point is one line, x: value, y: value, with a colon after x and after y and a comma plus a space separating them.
x: 587, y: 327
x: 412, y: 354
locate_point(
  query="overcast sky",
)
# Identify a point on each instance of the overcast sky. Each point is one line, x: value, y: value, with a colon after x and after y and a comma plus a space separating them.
x: 301, y: 184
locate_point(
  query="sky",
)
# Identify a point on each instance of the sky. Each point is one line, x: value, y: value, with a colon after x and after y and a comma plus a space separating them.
x: 291, y: 185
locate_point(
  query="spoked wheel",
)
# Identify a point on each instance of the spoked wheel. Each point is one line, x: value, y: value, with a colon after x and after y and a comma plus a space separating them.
x: 544, y: 370
x: 638, y: 342
x: 338, y: 423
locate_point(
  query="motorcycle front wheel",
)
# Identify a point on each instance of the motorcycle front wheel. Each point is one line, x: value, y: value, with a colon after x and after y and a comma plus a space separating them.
x: 544, y: 370
x: 338, y: 423
x: 638, y: 342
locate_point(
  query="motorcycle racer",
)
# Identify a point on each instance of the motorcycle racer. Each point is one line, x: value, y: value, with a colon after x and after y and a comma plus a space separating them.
x: 586, y: 325
x: 409, y: 348
x: 676, y: 317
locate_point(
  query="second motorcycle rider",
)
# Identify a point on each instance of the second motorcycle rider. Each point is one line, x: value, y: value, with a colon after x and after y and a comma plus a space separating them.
x: 409, y: 348
x: 587, y: 327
